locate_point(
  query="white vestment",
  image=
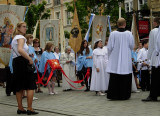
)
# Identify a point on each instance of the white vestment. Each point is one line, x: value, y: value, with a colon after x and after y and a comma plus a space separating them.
x: 152, y: 54
x: 99, y: 80
x: 69, y: 70
x: 120, y: 46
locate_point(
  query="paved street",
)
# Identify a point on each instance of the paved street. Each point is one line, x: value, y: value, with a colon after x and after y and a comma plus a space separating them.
x: 80, y: 103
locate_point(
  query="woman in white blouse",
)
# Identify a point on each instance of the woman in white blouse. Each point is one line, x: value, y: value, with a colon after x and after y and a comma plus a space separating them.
x: 23, y: 79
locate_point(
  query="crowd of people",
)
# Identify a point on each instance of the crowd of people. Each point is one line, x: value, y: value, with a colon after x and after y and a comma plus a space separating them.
x: 114, y: 68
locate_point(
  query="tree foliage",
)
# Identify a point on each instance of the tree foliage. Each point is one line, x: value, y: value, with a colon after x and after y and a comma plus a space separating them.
x: 23, y: 2
x: 35, y: 12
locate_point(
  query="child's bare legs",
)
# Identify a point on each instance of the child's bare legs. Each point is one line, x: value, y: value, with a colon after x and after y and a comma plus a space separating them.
x: 49, y: 87
x: 53, y: 84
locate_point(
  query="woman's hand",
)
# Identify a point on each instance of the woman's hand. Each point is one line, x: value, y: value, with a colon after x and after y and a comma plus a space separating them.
x: 31, y: 55
x: 97, y: 69
x: 30, y: 61
x: 89, y: 57
x: 35, y: 61
x: 68, y: 61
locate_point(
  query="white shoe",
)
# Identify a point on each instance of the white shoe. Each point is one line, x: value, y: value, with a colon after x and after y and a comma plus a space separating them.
x: 100, y: 94
x: 55, y: 93
x: 35, y: 98
x: 135, y: 91
x: 51, y: 93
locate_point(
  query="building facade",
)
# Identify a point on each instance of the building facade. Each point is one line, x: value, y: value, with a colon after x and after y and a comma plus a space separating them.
x: 11, y: 2
x: 129, y: 4
x: 154, y: 6
x: 59, y: 11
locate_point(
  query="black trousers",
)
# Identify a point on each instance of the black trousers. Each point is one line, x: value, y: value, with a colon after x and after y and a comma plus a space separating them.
x: 81, y: 75
x: 119, y: 86
x: 155, y: 82
x: 9, y: 82
x: 145, y: 79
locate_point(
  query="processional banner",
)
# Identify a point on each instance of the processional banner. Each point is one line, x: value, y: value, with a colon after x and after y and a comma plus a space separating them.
x: 49, y: 32
x: 10, y: 15
x: 99, y: 28
x: 75, y: 34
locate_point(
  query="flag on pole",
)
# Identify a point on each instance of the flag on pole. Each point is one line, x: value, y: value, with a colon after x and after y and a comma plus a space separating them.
x: 134, y: 30
x: 90, y: 23
x: 110, y: 30
x: 75, y: 35
x: 62, y: 37
x: 25, y: 13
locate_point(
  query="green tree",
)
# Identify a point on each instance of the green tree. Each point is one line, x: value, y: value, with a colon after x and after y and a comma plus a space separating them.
x: 35, y: 12
x: 23, y: 2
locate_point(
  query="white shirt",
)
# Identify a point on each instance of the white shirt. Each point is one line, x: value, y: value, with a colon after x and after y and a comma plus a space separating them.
x: 57, y: 55
x: 152, y: 54
x: 120, y: 45
x: 158, y: 47
x: 142, y: 58
x: 14, y: 46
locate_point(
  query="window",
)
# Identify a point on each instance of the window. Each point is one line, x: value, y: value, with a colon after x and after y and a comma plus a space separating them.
x: 140, y: 4
x: 49, y: 1
x: 145, y: 1
x: 127, y: 7
x: 68, y: 16
x: 58, y: 15
x: 38, y: 2
x: 57, y: 2
x: 131, y: 6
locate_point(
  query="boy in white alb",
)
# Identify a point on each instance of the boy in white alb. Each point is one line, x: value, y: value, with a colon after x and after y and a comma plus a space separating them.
x: 143, y: 65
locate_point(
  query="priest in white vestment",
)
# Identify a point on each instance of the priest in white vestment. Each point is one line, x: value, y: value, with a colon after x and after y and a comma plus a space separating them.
x: 154, y: 56
x: 67, y: 60
x: 120, y: 45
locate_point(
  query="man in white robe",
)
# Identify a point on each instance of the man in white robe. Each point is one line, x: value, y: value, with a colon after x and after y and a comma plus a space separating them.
x: 120, y: 45
x: 154, y: 56
x: 67, y: 60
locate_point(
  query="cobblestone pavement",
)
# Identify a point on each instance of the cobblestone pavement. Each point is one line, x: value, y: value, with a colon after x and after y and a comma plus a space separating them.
x: 80, y: 103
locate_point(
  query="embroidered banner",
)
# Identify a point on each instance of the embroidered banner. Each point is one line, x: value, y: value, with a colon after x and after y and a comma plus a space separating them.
x: 10, y: 15
x: 49, y: 32
x: 99, y: 28
x: 75, y: 34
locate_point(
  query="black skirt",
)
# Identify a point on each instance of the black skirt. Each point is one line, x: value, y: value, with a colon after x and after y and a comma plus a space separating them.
x: 119, y: 87
x: 23, y: 80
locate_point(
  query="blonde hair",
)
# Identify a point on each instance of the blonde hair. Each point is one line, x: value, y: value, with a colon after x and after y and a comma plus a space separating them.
x: 28, y: 36
x: 16, y: 31
x: 121, y: 22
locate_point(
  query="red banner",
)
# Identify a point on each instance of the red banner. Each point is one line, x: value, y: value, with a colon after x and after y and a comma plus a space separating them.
x: 143, y: 27
x: 54, y: 65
